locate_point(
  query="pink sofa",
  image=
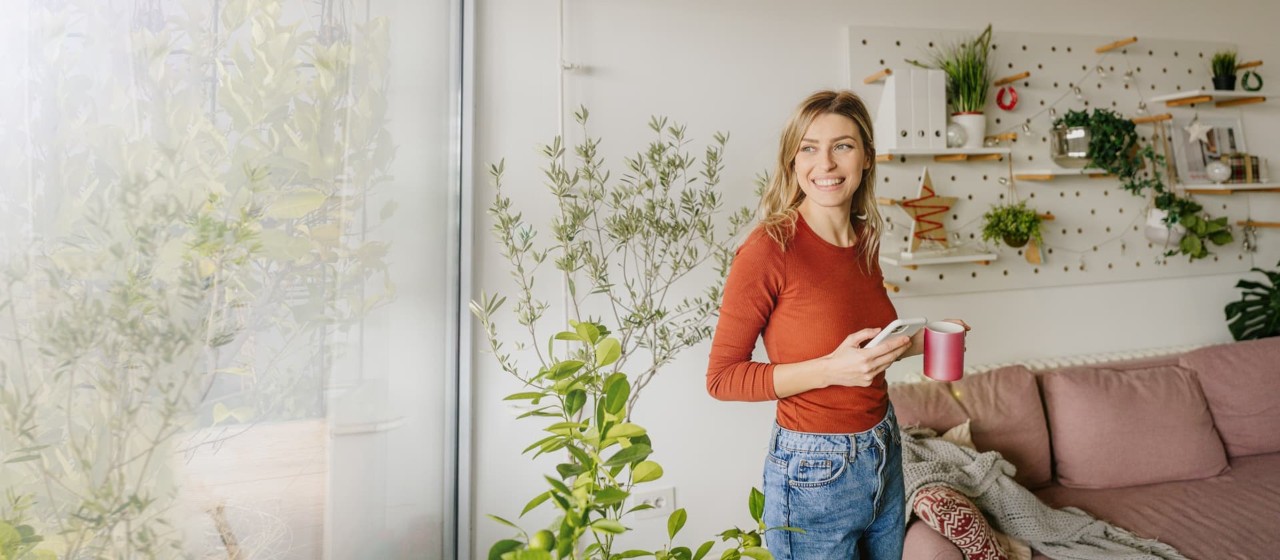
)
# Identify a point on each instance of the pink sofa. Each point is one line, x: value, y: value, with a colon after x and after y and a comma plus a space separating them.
x: 1183, y: 449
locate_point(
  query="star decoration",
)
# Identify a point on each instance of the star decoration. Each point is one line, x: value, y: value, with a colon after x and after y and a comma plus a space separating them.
x: 927, y: 210
x: 1198, y: 132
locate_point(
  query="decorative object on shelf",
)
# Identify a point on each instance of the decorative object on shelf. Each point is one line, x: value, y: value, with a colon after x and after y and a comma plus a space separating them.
x: 1198, y: 131
x: 1257, y: 314
x: 1250, y: 242
x: 1202, y: 140
x: 1015, y: 224
x: 1218, y: 172
x: 968, y: 82
x: 1247, y: 85
x: 956, y: 135
x: 927, y: 211
x: 1114, y: 148
x: 1224, y: 70
x: 1069, y: 146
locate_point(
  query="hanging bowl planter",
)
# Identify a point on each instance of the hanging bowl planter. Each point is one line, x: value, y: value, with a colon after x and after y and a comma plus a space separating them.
x: 1160, y: 233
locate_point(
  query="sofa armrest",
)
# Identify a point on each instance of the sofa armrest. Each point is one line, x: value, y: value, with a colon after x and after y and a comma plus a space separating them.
x: 924, y: 543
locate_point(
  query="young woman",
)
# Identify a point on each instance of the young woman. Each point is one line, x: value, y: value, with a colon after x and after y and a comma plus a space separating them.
x: 808, y: 279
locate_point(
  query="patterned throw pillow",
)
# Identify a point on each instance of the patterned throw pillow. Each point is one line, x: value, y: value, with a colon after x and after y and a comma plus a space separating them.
x: 954, y: 516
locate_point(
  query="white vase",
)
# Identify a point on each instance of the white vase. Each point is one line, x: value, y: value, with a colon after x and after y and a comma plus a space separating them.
x: 1159, y: 233
x: 975, y: 128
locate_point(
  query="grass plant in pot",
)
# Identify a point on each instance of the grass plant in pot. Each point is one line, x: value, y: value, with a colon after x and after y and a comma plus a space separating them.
x: 1223, y: 65
x: 1113, y: 147
x: 968, y: 83
x: 1014, y: 224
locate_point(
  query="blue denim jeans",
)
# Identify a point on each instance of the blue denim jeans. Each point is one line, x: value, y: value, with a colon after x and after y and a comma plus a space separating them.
x: 844, y: 490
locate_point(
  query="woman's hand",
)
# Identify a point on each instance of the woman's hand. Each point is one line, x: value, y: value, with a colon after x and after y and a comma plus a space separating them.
x: 850, y: 365
x: 917, y: 340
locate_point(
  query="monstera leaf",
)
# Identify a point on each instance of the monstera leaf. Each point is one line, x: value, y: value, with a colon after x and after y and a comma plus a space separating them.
x: 1257, y: 314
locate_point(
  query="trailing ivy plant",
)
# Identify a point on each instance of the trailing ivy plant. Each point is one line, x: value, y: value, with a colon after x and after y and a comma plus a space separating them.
x: 624, y: 245
x: 1114, y: 148
x: 1257, y: 314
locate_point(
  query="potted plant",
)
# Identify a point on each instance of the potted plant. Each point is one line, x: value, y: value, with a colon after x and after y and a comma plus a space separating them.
x: 968, y: 83
x: 1223, y: 65
x: 662, y: 216
x: 1015, y: 224
x: 1113, y: 147
x: 1257, y: 314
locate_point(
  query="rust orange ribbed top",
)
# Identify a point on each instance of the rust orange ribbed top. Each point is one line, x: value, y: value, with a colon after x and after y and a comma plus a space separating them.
x: 805, y: 301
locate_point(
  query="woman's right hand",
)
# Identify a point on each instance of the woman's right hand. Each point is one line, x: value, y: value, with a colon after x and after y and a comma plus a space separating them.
x: 850, y: 365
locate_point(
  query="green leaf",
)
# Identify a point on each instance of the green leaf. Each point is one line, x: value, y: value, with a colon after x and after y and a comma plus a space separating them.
x: 633, y: 554
x: 564, y: 369
x: 703, y: 550
x: 535, y: 502
x: 676, y: 521
x: 558, y: 486
x: 588, y: 332
x: 567, y: 470
x: 608, y: 526
x: 608, y: 351
x: 756, y: 552
x: 756, y: 504
x: 635, y: 453
x: 567, y: 335
x: 503, y: 521
x: 645, y: 471
x: 625, y: 429
x: 574, y: 401
x: 524, y: 396
x: 610, y: 496
x: 296, y: 204
x: 617, y: 391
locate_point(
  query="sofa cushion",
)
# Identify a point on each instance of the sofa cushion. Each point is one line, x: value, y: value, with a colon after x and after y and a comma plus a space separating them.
x: 1241, y: 381
x: 1124, y: 428
x: 1004, y: 410
x: 954, y: 516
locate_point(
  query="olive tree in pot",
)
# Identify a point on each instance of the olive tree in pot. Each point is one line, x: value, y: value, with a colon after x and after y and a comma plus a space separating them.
x: 1114, y: 148
x: 626, y: 245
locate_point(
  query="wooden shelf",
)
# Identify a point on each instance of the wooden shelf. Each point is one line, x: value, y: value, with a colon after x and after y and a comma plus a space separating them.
x: 1231, y: 188
x: 946, y: 154
x: 1051, y: 174
x: 1219, y: 98
x: 956, y: 256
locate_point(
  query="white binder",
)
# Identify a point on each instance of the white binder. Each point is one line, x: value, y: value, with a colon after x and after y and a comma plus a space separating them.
x: 937, y: 109
x: 920, y: 129
x: 893, y: 118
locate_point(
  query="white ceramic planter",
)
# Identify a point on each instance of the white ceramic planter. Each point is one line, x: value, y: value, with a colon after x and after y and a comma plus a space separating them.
x: 1157, y: 232
x: 975, y: 128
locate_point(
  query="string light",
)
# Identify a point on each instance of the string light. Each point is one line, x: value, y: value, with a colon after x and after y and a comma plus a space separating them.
x: 1100, y: 72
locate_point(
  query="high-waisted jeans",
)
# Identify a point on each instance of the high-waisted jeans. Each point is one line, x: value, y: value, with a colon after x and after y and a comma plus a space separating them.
x: 844, y: 490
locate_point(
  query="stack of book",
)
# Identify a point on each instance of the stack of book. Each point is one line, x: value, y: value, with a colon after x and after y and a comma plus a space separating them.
x: 1244, y: 168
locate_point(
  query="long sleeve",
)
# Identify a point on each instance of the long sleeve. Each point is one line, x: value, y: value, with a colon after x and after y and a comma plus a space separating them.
x: 751, y: 291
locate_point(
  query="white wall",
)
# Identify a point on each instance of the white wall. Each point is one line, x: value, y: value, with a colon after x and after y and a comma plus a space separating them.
x: 741, y: 66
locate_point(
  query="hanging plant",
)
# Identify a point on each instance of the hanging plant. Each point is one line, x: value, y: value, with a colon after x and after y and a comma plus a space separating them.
x: 1257, y: 314
x: 1113, y: 147
x: 1015, y: 224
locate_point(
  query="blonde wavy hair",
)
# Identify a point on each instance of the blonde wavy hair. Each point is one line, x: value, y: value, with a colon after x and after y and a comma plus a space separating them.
x: 782, y: 196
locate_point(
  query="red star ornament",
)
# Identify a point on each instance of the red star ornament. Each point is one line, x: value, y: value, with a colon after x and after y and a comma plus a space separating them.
x: 928, y: 211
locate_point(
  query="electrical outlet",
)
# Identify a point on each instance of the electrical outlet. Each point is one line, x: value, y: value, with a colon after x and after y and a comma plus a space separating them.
x: 663, y: 501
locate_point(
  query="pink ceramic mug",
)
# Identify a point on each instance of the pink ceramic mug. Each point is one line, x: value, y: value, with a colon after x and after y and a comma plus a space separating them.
x: 944, y: 351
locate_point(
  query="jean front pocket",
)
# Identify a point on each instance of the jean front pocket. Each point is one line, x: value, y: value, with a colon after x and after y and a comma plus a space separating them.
x: 808, y: 469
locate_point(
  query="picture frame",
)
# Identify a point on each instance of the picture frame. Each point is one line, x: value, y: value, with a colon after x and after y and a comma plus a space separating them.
x: 1225, y: 136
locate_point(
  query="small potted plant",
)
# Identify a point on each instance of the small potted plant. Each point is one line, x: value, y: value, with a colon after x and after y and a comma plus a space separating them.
x: 968, y: 83
x: 1224, y: 70
x: 1015, y: 224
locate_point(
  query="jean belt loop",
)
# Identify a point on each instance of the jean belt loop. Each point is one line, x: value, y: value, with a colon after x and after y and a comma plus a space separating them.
x: 773, y: 439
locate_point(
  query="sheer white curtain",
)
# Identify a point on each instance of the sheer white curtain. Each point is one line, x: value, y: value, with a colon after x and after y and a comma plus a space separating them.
x: 228, y: 233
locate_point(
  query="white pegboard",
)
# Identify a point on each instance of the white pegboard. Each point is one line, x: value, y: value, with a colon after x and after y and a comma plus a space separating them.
x: 1097, y: 235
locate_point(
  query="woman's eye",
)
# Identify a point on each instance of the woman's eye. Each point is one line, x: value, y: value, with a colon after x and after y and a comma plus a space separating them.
x: 808, y: 149
x: 844, y: 147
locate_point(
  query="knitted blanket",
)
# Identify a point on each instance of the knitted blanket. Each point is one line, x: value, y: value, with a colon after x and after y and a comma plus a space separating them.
x: 986, y: 478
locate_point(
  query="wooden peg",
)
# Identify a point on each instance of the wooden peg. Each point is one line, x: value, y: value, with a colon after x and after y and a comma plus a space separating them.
x: 987, y: 157
x: 1188, y: 101
x: 886, y: 201
x: 1115, y: 45
x: 1047, y: 216
x: 883, y: 157
x: 1033, y: 176
x: 1240, y: 101
x: 1250, y: 64
x: 951, y: 157
x: 1002, y: 137
x: 892, y: 287
x: 1258, y: 224
x: 1011, y: 79
x: 1152, y: 118
x: 877, y: 76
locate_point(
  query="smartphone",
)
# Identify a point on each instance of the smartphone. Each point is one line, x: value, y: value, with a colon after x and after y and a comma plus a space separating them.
x: 899, y: 327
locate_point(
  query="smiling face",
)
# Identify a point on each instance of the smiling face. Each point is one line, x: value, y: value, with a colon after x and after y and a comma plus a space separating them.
x: 830, y: 162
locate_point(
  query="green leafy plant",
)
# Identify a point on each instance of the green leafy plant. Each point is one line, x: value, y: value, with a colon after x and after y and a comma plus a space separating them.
x: 18, y: 540
x: 1223, y: 63
x: 967, y: 69
x: 1014, y: 224
x: 1257, y: 314
x: 1114, y: 148
x: 623, y: 246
